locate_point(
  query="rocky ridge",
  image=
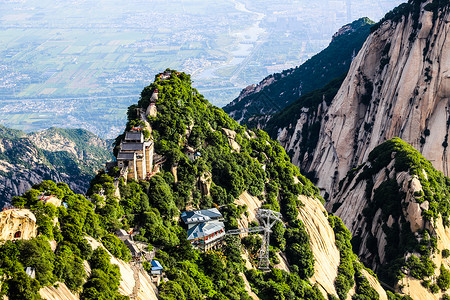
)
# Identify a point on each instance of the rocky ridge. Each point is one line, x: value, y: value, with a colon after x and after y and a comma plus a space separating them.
x: 62, y: 155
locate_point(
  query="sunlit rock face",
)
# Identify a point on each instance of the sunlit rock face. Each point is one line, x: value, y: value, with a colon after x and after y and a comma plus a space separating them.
x: 17, y: 224
x: 397, y: 85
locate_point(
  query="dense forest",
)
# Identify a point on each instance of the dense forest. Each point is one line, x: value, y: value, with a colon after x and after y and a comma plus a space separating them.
x: 246, y: 161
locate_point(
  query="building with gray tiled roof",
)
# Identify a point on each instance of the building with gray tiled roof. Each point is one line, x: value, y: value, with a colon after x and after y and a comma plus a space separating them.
x: 198, y: 216
x: 205, y: 230
x: 136, y: 137
x: 135, y: 156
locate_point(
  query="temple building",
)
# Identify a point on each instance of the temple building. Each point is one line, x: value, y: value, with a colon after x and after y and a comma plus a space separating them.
x: 135, y: 157
x: 205, y: 228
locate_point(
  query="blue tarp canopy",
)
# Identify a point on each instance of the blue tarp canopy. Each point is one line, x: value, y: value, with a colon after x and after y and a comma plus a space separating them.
x: 156, y: 266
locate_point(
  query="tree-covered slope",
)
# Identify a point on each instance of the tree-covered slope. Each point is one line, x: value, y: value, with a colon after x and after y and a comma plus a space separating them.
x: 278, y: 90
x: 237, y: 161
x: 61, y: 252
x: 397, y: 207
x: 72, y: 156
x: 234, y: 161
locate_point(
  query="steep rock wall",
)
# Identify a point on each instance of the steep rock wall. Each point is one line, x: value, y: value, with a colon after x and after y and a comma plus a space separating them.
x: 253, y: 203
x: 398, y: 85
x: 354, y: 198
x: 323, y: 244
x: 17, y: 224
x: 385, y: 210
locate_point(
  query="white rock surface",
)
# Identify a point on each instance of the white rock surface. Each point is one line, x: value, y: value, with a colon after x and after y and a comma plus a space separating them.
x: 410, y: 94
x: 323, y: 244
x: 20, y: 222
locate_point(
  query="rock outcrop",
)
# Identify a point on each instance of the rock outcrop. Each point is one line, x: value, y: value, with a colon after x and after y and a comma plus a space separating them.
x: 252, y: 203
x: 17, y: 224
x: 204, y: 183
x: 387, y: 204
x: 231, y: 136
x: 398, y: 85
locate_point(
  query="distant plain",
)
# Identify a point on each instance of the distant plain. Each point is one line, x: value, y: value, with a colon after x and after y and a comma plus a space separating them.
x: 82, y: 63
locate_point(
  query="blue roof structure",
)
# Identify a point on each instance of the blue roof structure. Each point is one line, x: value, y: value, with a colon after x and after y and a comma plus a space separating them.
x: 200, y: 216
x: 204, y: 229
x: 156, y: 266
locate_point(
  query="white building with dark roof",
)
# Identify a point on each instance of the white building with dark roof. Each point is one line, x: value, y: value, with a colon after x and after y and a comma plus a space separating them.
x: 205, y: 228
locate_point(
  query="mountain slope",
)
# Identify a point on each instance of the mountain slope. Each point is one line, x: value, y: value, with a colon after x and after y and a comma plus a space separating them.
x: 237, y: 170
x: 396, y: 207
x: 241, y: 165
x: 396, y: 86
x: 63, y: 155
x: 276, y: 91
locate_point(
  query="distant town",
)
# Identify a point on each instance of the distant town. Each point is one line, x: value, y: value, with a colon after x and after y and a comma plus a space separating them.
x: 71, y: 69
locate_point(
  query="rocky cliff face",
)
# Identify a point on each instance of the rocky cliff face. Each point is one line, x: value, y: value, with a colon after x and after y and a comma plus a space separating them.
x: 398, y: 85
x: 322, y: 242
x: 62, y: 155
x: 17, y: 224
x: 393, y: 205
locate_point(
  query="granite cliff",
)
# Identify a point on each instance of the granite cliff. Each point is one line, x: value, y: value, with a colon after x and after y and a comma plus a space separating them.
x: 396, y: 207
x: 398, y: 85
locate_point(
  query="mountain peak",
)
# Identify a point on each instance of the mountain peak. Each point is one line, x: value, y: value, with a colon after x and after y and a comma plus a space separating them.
x: 277, y: 91
x: 352, y: 27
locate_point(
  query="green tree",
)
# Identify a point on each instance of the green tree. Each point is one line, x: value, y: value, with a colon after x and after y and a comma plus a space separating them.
x: 443, y: 280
